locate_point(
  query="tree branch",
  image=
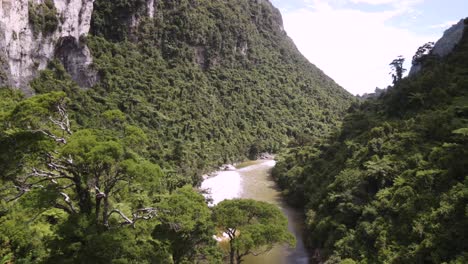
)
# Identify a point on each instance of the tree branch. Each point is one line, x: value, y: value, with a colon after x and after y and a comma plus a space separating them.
x: 64, y: 121
x: 128, y: 221
x: 67, y: 200
x: 64, y: 208
x: 21, y: 192
x: 140, y: 214
x: 54, y: 137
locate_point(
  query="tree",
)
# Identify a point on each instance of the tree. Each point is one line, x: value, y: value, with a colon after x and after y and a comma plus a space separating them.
x: 73, y: 190
x: 397, y: 69
x: 79, y: 173
x: 422, y: 51
x: 253, y: 227
x: 186, y: 226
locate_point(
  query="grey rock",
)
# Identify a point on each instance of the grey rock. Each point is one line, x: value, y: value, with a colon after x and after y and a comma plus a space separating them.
x: 449, y: 40
x: 77, y: 60
x: 227, y: 167
x: 445, y: 45
x: 415, y: 68
x: 24, y: 53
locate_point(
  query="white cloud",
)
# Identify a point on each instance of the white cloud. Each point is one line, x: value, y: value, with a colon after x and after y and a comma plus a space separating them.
x: 402, y: 6
x: 444, y: 25
x: 351, y: 46
x: 384, y: 2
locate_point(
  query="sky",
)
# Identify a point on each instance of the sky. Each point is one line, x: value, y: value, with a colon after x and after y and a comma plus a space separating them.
x: 353, y: 41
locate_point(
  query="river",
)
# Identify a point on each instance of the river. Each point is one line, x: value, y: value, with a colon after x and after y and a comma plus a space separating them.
x: 253, y: 180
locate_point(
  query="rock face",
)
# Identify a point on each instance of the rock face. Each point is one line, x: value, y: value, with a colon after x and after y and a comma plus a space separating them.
x: 24, y: 51
x: 446, y: 44
x: 450, y: 39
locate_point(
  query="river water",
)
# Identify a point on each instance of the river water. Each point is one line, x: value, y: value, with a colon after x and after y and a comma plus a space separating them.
x: 252, y: 180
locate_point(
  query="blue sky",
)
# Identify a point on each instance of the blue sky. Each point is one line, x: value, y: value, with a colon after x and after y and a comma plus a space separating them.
x: 353, y: 41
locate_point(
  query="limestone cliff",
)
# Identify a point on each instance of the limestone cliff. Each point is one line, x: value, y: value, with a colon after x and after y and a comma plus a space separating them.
x: 450, y: 39
x: 445, y: 45
x: 24, y: 50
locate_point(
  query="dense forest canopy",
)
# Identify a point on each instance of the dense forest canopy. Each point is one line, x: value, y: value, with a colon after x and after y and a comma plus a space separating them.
x: 210, y: 82
x: 391, y: 186
x: 106, y: 174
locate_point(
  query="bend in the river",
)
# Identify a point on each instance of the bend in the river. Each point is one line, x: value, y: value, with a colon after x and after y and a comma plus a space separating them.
x: 252, y: 180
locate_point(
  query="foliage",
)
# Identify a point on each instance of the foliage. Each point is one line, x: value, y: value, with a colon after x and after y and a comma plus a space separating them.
x: 253, y: 227
x: 391, y: 185
x: 72, y: 195
x: 397, y: 69
x: 75, y: 191
x: 100, y: 175
x: 185, y: 224
x: 203, y: 80
x: 43, y: 17
x: 422, y: 52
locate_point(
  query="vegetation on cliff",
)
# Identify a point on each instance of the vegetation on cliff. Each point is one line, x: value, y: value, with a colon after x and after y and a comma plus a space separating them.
x: 105, y: 175
x: 210, y: 82
x: 43, y: 17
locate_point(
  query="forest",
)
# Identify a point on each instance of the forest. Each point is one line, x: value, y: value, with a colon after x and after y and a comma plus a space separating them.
x: 109, y: 174
x: 390, y: 186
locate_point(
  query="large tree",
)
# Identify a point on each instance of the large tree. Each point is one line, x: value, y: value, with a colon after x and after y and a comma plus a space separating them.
x: 397, y: 69
x: 79, y: 173
x: 76, y: 186
x: 253, y: 227
x: 185, y: 225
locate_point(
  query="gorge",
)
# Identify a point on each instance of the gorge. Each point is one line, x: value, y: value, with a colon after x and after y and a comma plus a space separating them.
x: 252, y: 180
x: 111, y: 112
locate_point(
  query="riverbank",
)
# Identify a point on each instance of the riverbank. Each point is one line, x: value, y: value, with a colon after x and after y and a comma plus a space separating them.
x: 252, y: 180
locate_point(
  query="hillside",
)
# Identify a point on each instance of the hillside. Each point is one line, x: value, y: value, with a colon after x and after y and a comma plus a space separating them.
x: 112, y: 110
x: 391, y: 185
x: 210, y: 81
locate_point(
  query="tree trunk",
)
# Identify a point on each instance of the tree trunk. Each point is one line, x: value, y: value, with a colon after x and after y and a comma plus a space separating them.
x: 105, y: 211
x: 232, y: 252
x: 239, y: 258
x: 83, y: 195
x: 98, y: 199
x: 98, y: 208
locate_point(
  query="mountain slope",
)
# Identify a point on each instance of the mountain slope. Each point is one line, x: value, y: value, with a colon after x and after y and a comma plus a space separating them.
x: 391, y: 186
x: 98, y: 162
x: 210, y: 81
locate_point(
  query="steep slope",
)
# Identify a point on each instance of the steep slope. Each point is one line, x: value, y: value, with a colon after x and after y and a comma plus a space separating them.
x: 34, y: 32
x: 391, y: 186
x: 99, y: 165
x: 210, y: 81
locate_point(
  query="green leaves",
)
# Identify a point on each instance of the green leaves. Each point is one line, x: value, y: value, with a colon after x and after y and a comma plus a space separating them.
x: 80, y: 145
x: 185, y: 223
x: 43, y: 17
x: 199, y: 84
x: 114, y: 116
x: 253, y: 227
x: 461, y: 131
x: 33, y: 113
x: 73, y: 185
x: 194, y: 79
x: 390, y: 185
